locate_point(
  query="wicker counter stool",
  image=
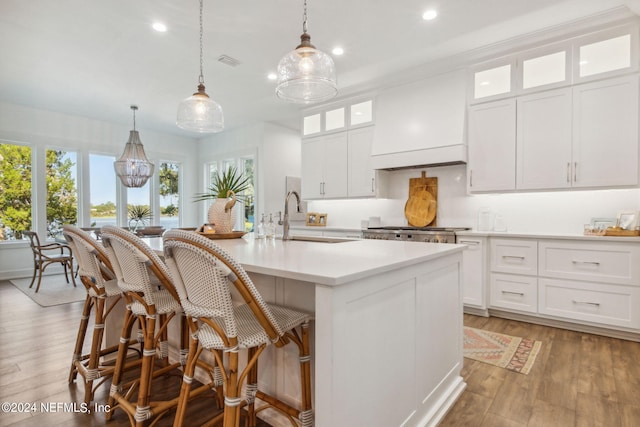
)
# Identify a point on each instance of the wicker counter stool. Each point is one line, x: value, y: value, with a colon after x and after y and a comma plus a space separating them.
x: 204, y: 275
x: 97, y: 276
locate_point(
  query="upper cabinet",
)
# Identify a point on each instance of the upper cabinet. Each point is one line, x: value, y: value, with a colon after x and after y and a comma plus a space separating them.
x: 338, y: 118
x: 567, y: 118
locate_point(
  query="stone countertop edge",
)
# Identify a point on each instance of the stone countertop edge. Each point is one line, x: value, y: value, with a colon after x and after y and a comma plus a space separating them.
x: 538, y: 235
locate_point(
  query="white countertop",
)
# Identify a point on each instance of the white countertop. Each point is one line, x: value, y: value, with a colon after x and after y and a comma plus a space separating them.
x: 329, y: 263
x: 533, y: 235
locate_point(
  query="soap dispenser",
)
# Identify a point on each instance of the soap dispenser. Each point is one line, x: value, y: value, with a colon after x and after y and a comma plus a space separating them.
x: 271, y: 228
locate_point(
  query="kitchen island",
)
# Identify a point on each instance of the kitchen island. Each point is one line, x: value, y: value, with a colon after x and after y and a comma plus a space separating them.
x: 387, y: 336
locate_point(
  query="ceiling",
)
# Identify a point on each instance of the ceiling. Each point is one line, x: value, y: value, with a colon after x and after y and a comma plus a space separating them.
x: 94, y: 58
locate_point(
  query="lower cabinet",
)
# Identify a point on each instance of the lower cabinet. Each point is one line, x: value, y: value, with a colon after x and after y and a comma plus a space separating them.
x: 587, y: 282
x: 473, y: 272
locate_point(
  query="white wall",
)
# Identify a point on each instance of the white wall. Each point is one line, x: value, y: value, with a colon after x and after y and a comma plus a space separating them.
x: 541, y: 212
x: 44, y: 129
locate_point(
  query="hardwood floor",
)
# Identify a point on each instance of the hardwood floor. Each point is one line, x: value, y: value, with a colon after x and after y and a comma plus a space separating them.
x: 36, y: 346
x: 578, y: 380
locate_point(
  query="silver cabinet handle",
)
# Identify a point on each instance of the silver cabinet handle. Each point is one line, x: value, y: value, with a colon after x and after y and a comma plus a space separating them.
x: 568, y: 172
x: 575, y: 171
x: 594, y: 304
x: 471, y: 178
x: 469, y: 242
x: 513, y: 257
x: 585, y: 262
x: 513, y: 293
x: 372, y: 185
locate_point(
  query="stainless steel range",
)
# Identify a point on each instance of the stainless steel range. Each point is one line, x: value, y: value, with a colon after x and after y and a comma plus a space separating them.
x: 415, y: 234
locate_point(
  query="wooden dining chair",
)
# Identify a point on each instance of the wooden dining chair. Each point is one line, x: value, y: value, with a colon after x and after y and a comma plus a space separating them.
x: 152, y: 299
x: 98, y: 278
x: 45, y: 255
x: 204, y: 275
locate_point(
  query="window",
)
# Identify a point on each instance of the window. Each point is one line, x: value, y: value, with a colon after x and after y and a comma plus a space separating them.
x: 492, y: 81
x: 15, y: 191
x: 606, y: 55
x: 62, y: 193
x: 103, y: 197
x: 169, y: 175
x: 544, y: 70
x: 139, y: 212
x: 334, y: 119
x: 244, y: 209
x: 311, y: 124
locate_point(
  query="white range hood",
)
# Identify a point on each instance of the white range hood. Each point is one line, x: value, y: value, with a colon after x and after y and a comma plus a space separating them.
x: 421, y: 123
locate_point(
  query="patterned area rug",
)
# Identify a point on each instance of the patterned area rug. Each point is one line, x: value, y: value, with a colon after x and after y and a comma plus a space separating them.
x: 54, y: 290
x: 512, y: 353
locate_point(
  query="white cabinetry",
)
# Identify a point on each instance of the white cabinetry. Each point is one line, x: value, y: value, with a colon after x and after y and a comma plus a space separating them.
x: 605, y: 133
x: 544, y: 140
x: 492, y: 146
x: 324, y: 166
x: 362, y: 176
x: 473, y: 272
x: 513, y: 281
x: 591, y: 282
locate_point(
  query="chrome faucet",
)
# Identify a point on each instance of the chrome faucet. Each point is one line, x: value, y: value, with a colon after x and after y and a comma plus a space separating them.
x: 285, y: 220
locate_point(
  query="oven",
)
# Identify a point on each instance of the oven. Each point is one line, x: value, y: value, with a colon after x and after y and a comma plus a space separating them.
x: 414, y: 234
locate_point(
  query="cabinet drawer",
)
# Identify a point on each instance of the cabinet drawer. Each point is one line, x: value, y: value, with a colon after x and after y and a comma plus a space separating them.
x: 611, y: 305
x: 514, y: 256
x: 594, y: 262
x: 514, y: 292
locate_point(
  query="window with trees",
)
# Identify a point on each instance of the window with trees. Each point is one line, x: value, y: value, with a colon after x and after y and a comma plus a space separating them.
x: 103, y: 196
x: 62, y: 193
x: 169, y: 174
x: 15, y: 190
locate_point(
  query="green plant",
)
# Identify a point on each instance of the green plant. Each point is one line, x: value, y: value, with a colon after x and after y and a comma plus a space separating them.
x: 139, y: 215
x: 229, y: 180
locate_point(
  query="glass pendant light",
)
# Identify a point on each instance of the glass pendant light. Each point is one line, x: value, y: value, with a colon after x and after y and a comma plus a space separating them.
x: 306, y: 74
x: 199, y: 113
x: 133, y: 167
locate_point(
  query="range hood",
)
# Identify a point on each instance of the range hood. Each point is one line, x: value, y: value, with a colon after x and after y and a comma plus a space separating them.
x: 427, y: 157
x: 421, y: 123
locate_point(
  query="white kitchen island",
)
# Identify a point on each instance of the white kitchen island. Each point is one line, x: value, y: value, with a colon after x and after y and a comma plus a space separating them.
x: 387, y: 344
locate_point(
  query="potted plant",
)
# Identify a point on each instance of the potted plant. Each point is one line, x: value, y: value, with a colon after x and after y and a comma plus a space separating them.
x: 139, y: 215
x: 225, y: 186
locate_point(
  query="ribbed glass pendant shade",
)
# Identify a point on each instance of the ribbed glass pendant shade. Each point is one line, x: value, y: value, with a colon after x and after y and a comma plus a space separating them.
x: 133, y: 167
x: 306, y: 74
x: 199, y: 113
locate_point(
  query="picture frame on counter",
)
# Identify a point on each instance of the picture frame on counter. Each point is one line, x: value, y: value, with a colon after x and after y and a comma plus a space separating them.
x: 316, y: 219
x: 627, y: 220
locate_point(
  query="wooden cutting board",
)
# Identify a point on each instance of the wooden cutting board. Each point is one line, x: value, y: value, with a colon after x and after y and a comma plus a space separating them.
x: 421, y: 209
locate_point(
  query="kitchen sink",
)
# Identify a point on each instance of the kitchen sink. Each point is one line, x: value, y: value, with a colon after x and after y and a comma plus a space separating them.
x: 322, y: 239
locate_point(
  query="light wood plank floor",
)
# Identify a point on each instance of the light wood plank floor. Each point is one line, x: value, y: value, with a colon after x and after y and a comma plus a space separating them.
x: 36, y: 346
x: 578, y: 380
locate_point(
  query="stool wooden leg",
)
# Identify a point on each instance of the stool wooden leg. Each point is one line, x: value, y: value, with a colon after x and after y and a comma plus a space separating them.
x: 146, y: 371
x: 252, y: 388
x: 306, y: 413
x: 93, y: 372
x: 123, y: 348
x: 187, y: 378
x: 231, y: 393
x: 82, y: 331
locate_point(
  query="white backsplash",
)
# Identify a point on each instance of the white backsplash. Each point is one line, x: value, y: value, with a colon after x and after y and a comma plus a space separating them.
x: 536, y: 212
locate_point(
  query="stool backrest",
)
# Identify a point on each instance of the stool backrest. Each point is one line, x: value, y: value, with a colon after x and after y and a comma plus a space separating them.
x: 203, y: 273
x: 93, y: 261
x: 137, y: 267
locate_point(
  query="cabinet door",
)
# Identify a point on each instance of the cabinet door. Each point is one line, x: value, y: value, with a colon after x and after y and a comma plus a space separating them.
x: 361, y: 173
x: 473, y: 272
x: 492, y: 146
x: 312, y: 168
x: 544, y: 140
x: 605, y: 150
x: 336, y: 153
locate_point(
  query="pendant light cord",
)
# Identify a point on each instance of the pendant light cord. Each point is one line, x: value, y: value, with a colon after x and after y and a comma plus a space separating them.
x: 201, y: 80
x: 134, y: 108
x: 304, y: 18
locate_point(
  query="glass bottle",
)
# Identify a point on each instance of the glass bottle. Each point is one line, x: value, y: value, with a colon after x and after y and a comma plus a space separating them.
x: 271, y: 228
x: 261, y: 228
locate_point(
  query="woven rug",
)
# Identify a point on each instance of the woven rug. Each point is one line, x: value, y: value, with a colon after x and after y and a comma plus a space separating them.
x: 512, y: 353
x: 54, y: 290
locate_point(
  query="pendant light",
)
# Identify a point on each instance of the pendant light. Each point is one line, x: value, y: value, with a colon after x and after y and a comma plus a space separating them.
x: 199, y: 113
x: 306, y: 74
x: 133, y: 167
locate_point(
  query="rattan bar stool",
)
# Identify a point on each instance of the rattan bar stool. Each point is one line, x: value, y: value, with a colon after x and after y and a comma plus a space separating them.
x: 96, y: 274
x: 152, y: 299
x: 204, y: 275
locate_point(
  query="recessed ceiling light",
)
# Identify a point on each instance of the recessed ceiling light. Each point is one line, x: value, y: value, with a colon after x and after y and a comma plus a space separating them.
x: 159, y: 27
x: 429, y: 15
x: 337, y: 51
x: 272, y: 76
